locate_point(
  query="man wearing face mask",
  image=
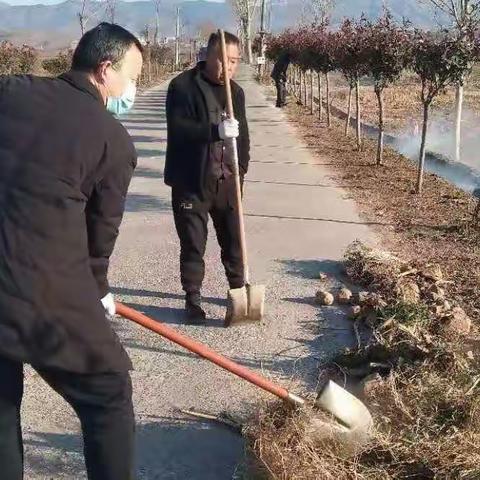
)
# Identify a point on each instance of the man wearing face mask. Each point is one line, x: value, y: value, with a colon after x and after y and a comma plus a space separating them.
x: 122, y: 105
x: 199, y: 167
x: 66, y: 164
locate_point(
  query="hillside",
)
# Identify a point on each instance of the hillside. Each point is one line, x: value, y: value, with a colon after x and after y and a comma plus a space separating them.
x: 56, y: 26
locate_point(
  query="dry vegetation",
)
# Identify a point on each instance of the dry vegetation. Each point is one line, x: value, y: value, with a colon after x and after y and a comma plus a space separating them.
x: 23, y: 60
x: 436, y: 226
x: 403, y: 105
x: 419, y: 373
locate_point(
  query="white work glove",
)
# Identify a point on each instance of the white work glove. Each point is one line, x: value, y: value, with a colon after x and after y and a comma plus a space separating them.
x: 228, y: 129
x: 108, y: 304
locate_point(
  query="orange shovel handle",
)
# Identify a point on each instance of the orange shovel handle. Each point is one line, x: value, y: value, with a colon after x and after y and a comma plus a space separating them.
x: 205, y: 352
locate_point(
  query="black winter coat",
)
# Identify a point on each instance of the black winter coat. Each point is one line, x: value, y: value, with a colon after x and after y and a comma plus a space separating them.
x: 279, y: 72
x: 65, y: 167
x: 191, y: 134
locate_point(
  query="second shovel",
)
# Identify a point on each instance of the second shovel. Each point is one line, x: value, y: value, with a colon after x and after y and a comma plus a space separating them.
x: 245, y: 304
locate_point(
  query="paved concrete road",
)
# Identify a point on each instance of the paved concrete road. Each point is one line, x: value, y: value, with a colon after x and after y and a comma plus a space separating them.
x: 298, y: 223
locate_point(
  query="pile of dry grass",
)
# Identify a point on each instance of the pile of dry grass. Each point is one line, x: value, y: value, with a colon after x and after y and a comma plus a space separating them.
x: 284, y: 450
x: 424, y: 393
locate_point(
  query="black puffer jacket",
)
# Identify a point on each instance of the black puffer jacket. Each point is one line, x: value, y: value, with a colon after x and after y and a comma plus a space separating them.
x: 279, y: 72
x: 65, y: 167
x: 191, y: 134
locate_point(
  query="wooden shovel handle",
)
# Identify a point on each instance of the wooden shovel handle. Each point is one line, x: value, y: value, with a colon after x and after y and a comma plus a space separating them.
x: 236, y: 166
x: 228, y: 87
x: 205, y: 352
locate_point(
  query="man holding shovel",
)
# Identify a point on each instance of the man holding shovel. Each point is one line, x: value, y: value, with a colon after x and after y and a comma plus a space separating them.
x: 199, y: 167
x: 66, y: 164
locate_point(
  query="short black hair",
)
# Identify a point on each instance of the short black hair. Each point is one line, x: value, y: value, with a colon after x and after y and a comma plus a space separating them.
x: 105, y: 42
x: 214, y: 40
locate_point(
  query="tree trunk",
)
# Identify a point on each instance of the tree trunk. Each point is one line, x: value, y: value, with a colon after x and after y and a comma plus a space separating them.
x: 421, y: 161
x: 248, y: 35
x: 177, y: 39
x: 297, y: 83
x: 299, y: 86
x: 305, y: 91
x: 295, y: 86
x: 82, y: 25
x: 291, y: 86
x: 359, y: 120
x: 329, y: 116
x: 292, y: 82
x: 311, y: 92
x: 320, y: 102
x: 349, y: 111
x: 381, y: 127
x: 249, y: 50
x: 157, y: 26
x: 148, y: 61
x: 458, y: 120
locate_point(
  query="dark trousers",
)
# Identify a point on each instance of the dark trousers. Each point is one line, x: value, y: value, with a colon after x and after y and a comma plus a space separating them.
x: 191, y: 221
x: 280, y: 85
x: 103, y: 403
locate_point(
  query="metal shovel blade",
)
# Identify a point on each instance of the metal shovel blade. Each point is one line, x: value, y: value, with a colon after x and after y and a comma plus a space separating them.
x: 354, y: 422
x: 245, y: 305
x: 256, y: 302
x: 351, y: 411
x: 237, y: 306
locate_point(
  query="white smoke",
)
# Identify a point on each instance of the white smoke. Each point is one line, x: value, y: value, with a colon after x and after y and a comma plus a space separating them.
x: 441, y: 143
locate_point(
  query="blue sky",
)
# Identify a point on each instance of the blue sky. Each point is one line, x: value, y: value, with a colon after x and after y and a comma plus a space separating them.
x: 47, y: 2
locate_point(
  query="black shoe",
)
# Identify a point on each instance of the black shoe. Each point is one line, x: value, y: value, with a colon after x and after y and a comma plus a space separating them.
x: 194, y: 312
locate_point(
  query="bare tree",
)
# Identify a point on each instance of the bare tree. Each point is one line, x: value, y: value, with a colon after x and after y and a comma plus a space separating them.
x: 465, y: 18
x: 88, y: 10
x: 245, y: 10
x: 318, y: 11
x: 177, y: 39
x: 110, y: 10
x: 82, y: 16
x: 440, y: 60
x: 465, y: 14
x: 146, y: 33
x: 157, y: 4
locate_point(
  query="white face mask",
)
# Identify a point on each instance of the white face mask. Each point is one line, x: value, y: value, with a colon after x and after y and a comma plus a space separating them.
x: 123, y: 104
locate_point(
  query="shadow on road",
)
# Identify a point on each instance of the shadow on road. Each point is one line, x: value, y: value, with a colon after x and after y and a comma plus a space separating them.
x: 137, y: 202
x: 175, y: 316
x: 145, y: 172
x: 167, y: 449
x: 131, y: 292
x: 150, y: 152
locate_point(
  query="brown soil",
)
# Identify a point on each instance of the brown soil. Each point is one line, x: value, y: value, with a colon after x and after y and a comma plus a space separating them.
x: 436, y: 226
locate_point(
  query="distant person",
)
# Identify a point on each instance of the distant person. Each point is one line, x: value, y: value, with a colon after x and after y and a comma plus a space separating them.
x: 202, y: 54
x: 66, y: 164
x: 279, y: 75
x: 199, y: 167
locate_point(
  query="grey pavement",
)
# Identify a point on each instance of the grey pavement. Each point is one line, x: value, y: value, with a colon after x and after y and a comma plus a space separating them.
x: 298, y: 223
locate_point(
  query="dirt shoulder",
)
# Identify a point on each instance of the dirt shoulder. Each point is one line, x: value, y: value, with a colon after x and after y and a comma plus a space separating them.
x: 436, y: 227
x: 418, y: 373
